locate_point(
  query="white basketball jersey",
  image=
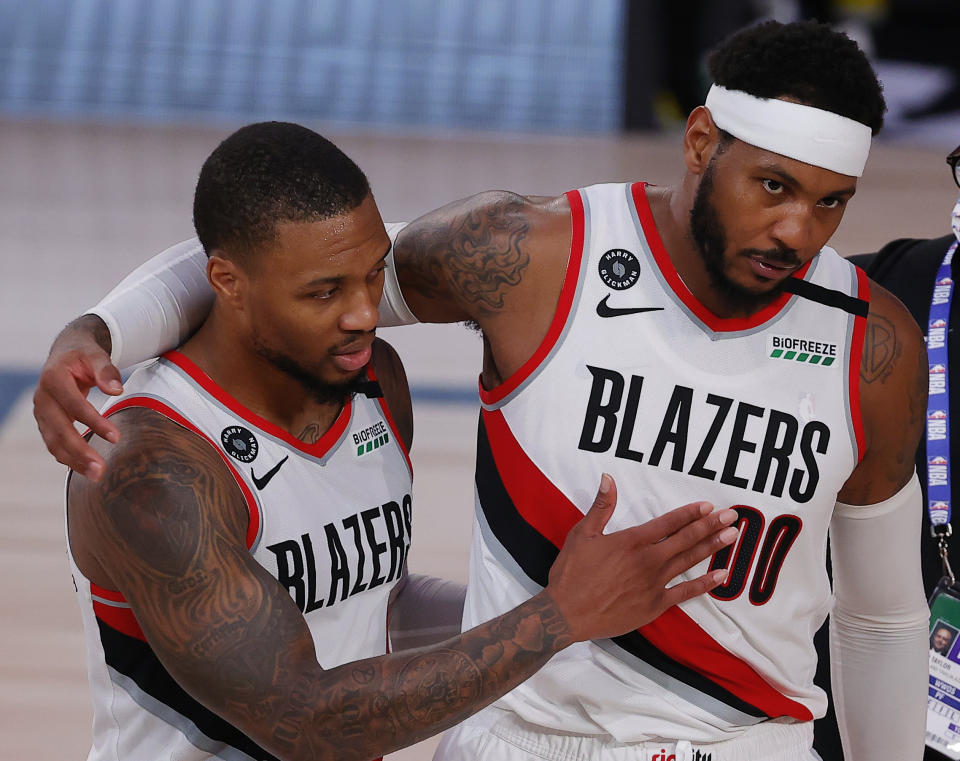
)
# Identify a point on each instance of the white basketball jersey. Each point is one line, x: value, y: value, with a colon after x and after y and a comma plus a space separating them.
x: 638, y: 379
x: 330, y: 520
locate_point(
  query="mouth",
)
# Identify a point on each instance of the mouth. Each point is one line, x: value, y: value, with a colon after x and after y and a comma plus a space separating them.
x: 770, y: 269
x: 353, y: 356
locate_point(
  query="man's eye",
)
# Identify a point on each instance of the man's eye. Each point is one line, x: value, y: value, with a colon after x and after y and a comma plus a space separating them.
x: 830, y: 203
x: 772, y: 186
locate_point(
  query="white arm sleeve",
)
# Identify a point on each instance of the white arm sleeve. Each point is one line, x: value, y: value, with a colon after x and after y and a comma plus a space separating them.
x: 393, y: 307
x: 158, y: 305
x: 425, y: 611
x: 878, y: 628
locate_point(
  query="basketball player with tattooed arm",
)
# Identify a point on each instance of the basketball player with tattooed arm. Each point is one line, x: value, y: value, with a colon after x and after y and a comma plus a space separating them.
x: 694, y: 339
x: 228, y: 568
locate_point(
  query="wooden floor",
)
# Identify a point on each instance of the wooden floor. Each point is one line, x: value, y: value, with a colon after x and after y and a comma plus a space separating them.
x: 82, y: 204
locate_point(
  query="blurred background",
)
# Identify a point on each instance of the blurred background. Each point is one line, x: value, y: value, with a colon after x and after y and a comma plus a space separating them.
x: 109, y: 107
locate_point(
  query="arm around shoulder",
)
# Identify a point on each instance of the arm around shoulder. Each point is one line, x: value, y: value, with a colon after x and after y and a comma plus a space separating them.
x: 469, y: 260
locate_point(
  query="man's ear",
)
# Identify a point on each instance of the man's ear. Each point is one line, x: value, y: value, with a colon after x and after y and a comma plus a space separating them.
x: 227, y: 278
x: 700, y: 139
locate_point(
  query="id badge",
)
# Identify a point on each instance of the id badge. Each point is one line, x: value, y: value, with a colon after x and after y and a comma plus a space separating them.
x: 943, y: 701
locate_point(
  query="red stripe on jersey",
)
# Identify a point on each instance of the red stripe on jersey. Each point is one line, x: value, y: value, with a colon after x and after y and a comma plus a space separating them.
x: 669, y: 272
x: 385, y: 409
x: 253, y: 526
x: 539, y: 502
x: 674, y: 633
x: 121, y: 619
x: 856, y: 358
x: 677, y: 635
x: 106, y: 594
x: 564, y: 304
x: 318, y: 449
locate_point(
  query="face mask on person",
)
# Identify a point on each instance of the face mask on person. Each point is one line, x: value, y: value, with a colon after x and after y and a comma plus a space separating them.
x: 955, y: 219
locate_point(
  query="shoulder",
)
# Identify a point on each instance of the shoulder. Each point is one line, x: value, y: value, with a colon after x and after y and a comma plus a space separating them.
x: 159, y: 479
x: 388, y: 368
x: 893, y: 397
x: 892, y: 338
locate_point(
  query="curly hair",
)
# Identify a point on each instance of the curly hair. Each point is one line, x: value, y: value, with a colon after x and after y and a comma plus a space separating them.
x: 267, y: 173
x: 805, y: 60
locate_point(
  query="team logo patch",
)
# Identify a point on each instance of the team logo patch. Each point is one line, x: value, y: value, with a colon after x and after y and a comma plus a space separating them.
x: 936, y: 369
x: 619, y: 269
x: 939, y: 323
x: 807, y: 350
x: 937, y: 415
x: 945, y: 281
x: 240, y: 443
x: 938, y: 460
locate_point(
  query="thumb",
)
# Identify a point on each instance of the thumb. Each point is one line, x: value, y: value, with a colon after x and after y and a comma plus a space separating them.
x: 106, y: 375
x: 600, y: 511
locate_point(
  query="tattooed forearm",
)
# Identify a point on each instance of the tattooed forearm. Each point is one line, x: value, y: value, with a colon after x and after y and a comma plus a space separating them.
x: 880, y: 349
x: 471, y: 253
x: 388, y: 702
x: 171, y: 527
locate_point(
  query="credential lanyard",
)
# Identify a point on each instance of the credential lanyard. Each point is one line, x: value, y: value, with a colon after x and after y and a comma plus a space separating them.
x: 938, y: 409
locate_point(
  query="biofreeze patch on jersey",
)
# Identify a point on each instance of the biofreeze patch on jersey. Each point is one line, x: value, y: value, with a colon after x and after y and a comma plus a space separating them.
x: 804, y: 349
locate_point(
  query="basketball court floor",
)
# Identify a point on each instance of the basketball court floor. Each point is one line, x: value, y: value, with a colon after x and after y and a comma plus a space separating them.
x: 80, y: 205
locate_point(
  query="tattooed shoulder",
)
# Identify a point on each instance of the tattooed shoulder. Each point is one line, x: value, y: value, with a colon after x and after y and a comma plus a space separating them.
x: 161, y: 481
x: 472, y: 251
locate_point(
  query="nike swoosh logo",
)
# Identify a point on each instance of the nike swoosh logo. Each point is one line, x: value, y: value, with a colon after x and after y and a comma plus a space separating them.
x: 607, y: 311
x: 261, y: 483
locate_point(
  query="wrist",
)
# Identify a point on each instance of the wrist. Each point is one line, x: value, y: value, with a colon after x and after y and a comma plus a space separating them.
x: 82, y: 331
x: 558, y: 619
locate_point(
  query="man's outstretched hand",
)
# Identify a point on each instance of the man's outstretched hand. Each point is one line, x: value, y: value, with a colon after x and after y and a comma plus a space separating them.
x: 608, y: 584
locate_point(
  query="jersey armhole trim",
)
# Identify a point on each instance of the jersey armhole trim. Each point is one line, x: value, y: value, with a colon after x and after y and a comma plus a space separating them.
x: 567, y: 292
x: 381, y: 402
x: 253, y: 509
x: 856, y: 359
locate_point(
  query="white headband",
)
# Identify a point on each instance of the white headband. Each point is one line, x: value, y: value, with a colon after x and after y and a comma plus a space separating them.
x: 799, y: 132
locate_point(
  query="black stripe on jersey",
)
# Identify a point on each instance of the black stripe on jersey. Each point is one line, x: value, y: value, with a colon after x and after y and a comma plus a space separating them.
x: 535, y: 554
x: 638, y: 645
x: 827, y: 296
x: 135, y: 659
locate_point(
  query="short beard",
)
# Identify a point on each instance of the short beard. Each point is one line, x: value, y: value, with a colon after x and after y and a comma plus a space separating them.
x: 321, y: 391
x: 711, y: 242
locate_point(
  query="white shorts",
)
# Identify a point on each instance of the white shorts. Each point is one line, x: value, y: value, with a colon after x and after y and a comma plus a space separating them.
x: 498, y: 735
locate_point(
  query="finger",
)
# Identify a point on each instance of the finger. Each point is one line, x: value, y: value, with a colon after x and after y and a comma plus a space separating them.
x: 600, y: 511
x: 690, y: 556
x: 698, y: 530
x: 106, y: 374
x: 66, y: 395
x: 66, y: 444
x: 667, y: 524
x: 688, y: 589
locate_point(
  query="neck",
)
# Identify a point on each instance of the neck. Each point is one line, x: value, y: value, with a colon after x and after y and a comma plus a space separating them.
x: 224, y: 353
x: 671, y: 208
